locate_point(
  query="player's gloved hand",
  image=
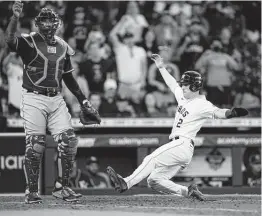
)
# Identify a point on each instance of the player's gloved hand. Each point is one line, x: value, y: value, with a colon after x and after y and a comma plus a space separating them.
x: 88, y: 114
x: 17, y: 8
x: 237, y: 112
x: 158, y: 60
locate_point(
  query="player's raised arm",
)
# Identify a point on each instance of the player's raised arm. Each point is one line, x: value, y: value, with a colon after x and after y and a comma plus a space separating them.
x: 12, y: 26
x: 168, y: 78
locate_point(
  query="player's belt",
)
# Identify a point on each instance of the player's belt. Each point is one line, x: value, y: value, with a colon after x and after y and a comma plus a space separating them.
x: 191, y: 141
x: 49, y: 92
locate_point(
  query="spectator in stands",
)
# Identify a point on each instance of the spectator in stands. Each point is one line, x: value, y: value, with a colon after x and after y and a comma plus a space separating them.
x: 97, y: 12
x: 151, y: 109
x: 77, y: 58
x: 252, y: 162
x: 131, y: 65
x: 174, y: 8
x: 97, y: 36
x: 198, y: 9
x: 226, y: 40
x: 149, y: 42
x: 95, y: 100
x: 219, y: 69
x: 125, y: 109
x: 13, y: 68
x: 219, y: 14
x: 79, y: 26
x: 246, y: 98
x: 108, y: 107
x: 157, y: 85
x: 96, y: 69
x: 167, y: 31
x: 79, y: 36
x: 182, y: 24
x: 92, y: 177
x: 133, y: 21
x: 190, y: 48
x: 70, y: 99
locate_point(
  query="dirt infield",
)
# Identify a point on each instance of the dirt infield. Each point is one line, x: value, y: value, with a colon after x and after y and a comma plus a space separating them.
x: 136, y: 205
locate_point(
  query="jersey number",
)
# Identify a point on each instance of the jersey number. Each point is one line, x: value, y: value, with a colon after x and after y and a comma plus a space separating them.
x: 180, y: 121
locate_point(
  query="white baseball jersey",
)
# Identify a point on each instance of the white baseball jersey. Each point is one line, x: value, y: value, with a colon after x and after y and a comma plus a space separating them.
x: 190, y: 115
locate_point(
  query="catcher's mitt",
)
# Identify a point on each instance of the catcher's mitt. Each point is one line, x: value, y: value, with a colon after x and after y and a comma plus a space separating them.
x: 89, y: 115
x: 238, y: 112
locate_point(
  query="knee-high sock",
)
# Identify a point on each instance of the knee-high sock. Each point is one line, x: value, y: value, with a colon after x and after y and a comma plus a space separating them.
x: 166, y: 186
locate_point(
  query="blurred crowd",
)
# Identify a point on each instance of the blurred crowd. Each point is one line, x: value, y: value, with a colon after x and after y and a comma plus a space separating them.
x: 114, y: 41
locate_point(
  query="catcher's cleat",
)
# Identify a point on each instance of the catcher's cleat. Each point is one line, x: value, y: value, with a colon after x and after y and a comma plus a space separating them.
x: 58, y: 186
x: 195, y: 193
x: 117, y: 180
x: 32, y: 197
x: 65, y: 193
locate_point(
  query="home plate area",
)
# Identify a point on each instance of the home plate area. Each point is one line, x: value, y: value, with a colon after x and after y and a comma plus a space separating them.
x: 134, y: 205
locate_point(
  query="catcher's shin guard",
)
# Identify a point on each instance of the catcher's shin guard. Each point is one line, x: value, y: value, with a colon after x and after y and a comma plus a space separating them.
x: 35, y: 146
x: 67, y: 148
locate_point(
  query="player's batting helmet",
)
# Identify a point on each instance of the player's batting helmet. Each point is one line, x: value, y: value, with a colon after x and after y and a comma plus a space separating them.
x: 48, y: 22
x: 193, y: 79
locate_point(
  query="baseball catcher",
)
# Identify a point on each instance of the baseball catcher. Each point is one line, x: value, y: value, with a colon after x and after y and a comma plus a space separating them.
x: 46, y: 59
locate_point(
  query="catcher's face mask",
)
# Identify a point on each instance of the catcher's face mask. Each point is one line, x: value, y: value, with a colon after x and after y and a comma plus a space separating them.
x: 47, y: 22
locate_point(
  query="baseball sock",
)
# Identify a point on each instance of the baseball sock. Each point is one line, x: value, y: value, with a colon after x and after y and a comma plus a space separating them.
x: 167, y: 186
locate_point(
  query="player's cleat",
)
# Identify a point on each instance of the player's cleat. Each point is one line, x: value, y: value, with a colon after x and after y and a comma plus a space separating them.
x: 58, y: 186
x: 32, y: 197
x: 195, y: 193
x: 77, y: 195
x: 65, y: 193
x: 117, y: 180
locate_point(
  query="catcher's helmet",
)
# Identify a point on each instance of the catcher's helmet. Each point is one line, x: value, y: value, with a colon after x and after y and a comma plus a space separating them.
x: 193, y: 79
x: 47, y: 21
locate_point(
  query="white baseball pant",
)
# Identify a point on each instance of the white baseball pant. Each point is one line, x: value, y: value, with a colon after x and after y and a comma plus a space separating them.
x: 162, y: 164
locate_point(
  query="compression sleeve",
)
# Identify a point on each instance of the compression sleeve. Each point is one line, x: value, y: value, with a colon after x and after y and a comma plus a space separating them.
x: 73, y: 86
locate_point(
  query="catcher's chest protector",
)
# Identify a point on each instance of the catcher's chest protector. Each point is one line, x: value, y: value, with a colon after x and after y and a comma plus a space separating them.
x: 46, y: 69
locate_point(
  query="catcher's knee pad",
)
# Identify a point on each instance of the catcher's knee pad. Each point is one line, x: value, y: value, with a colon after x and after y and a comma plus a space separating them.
x: 35, y: 146
x: 67, y: 142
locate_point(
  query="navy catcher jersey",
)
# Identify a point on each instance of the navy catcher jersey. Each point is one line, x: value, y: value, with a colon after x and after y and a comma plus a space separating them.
x: 44, y: 65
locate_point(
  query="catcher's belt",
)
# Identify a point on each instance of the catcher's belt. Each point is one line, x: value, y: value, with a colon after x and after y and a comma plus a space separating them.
x: 49, y: 92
